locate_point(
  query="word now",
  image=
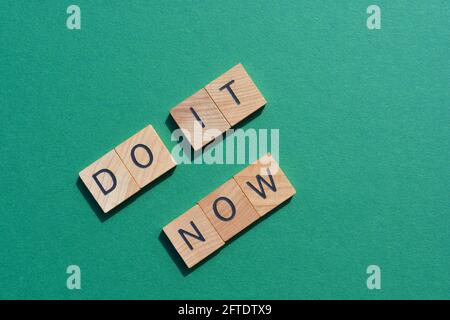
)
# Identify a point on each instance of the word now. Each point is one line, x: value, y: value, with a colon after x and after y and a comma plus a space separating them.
x: 229, y: 209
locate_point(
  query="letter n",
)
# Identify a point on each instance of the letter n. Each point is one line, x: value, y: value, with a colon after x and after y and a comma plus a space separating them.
x: 198, y: 235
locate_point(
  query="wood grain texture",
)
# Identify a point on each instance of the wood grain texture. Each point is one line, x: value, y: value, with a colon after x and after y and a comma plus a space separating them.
x: 191, y: 249
x: 125, y: 186
x: 198, y: 115
x: 245, y: 91
x: 265, y: 184
x: 228, y: 209
x: 145, y: 156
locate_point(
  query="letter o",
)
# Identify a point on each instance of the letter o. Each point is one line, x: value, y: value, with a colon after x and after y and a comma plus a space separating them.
x: 149, y: 152
x: 230, y: 203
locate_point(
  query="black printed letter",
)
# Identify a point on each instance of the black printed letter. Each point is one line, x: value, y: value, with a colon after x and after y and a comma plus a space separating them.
x: 261, y: 192
x: 113, y: 177
x: 183, y: 234
x: 230, y: 203
x: 228, y: 87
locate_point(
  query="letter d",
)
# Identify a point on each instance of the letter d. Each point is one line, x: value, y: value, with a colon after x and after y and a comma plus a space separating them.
x: 113, y: 177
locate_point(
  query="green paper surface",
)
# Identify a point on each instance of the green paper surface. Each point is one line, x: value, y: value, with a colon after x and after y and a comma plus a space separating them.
x: 364, y: 119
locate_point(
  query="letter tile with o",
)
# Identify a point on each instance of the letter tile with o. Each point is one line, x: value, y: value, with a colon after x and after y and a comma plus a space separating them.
x: 128, y: 168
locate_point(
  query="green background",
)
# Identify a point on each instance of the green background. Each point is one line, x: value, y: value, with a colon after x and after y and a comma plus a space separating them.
x: 364, y: 119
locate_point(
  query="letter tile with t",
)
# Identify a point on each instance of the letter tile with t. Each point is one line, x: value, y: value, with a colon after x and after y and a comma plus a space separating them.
x: 145, y: 156
x: 228, y: 209
x: 264, y: 184
x: 109, y: 181
x: 235, y: 94
x: 193, y: 236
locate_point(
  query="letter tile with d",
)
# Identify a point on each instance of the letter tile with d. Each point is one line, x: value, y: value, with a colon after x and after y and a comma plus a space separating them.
x: 109, y: 181
x: 128, y: 168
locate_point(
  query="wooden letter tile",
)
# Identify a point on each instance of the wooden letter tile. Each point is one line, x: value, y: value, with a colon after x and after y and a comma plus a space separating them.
x: 193, y: 236
x: 264, y: 184
x: 145, y: 156
x: 196, y: 115
x: 109, y: 181
x: 228, y: 209
x: 235, y: 94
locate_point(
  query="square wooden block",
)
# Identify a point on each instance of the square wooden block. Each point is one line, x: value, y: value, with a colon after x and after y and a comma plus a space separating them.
x: 235, y: 94
x: 199, y: 119
x: 193, y: 236
x: 228, y: 209
x: 264, y: 184
x: 145, y: 156
x: 109, y: 181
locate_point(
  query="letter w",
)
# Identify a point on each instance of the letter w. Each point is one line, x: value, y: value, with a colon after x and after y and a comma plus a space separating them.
x: 261, y: 192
